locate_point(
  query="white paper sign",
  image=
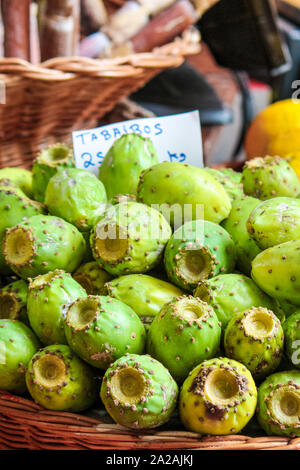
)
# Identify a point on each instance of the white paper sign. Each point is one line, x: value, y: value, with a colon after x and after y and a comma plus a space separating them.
x: 177, y: 138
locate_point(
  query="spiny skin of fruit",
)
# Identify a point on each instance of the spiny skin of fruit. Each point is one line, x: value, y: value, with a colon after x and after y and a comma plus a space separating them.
x: 142, y: 236
x: 233, y: 189
x: 46, y: 165
x: 122, y: 165
x: 122, y: 198
x: 73, y: 386
x: 76, y: 196
x: 291, y: 328
x: 275, y: 221
x: 14, y: 207
x: 155, y: 397
x: 184, y: 333
x: 196, y: 251
x: 235, y: 176
x: 236, y: 226
x: 48, y: 296
x: 110, y: 330
x: 51, y: 243
x: 260, y: 351
x: 270, y: 177
x: 13, y: 301
x: 92, y: 278
x: 18, y: 177
x: 176, y: 184
x: 277, y: 271
x: 230, y: 294
x: 202, y: 410
x: 17, y: 346
x: 145, y: 294
x: 278, y: 407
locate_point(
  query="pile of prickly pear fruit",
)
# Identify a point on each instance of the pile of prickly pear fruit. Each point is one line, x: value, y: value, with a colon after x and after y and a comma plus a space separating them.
x: 154, y: 286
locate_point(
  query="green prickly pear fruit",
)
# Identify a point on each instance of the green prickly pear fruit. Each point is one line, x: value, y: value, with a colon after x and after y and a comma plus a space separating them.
x: 60, y: 381
x: 218, y: 397
x: 233, y: 189
x: 287, y: 307
x: 122, y: 165
x: 76, y: 196
x: 230, y: 294
x: 196, y: 251
x: 235, y: 176
x: 291, y: 328
x: 139, y: 392
x: 278, y: 407
x: 13, y: 301
x: 145, y: 294
x: 14, y: 208
x: 130, y: 238
x: 277, y: 271
x: 268, y: 177
x: 101, y: 329
x: 92, y: 278
x: 122, y: 198
x: 275, y: 221
x: 42, y: 244
x: 18, y: 177
x: 236, y: 226
x: 17, y: 346
x: 88, y: 255
x: 255, y: 338
x: 48, y: 296
x: 180, y: 191
x: 183, y: 334
x: 46, y: 165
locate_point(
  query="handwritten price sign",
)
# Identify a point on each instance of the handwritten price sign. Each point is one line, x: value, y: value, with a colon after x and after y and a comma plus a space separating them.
x: 177, y: 138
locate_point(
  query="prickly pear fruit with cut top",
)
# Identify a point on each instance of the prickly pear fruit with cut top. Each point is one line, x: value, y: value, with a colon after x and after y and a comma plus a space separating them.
x: 48, y: 296
x: 129, y: 238
x: 58, y: 380
x: 255, y: 338
x: 17, y: 346
x: 183, y: 334
x: 18, y: 177
x: 46, y: 165
x: 278, y: 407
x: 183, y: 192
x: 270, y: 177
x: 13, y: 301
x: 218, y: 397
x: 76, y: 196
x: 138, y: 392
x: 41, y: 244
x: 196, y: 251
x: 101, y: 329
x: 122, y: 165
x: 234, y: 189
x: 92, y: 278
x: 291, y: 328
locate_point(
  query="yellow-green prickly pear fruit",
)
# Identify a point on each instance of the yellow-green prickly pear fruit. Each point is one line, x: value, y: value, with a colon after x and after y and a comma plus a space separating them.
x: 236, y: 226
x: 122, y: 198
x: 234, y: 189
x: 13, y: 301
x: 46, y: 164
x: 129, y: 238
x: 235, y: 176
x: 183, y: 334
x: 270, y: 177
x: 17, y: 346
x: 275, y: 221
x: 255, y: 338
x: 146, y: 295
x: 278, y: 407
x: 19, y: 177
x: 92, y: 278
x: 58, y: 380
x: 76, y: 196
x: 291, y: 328
x: 48, y: 297
x: 138, y: 392
x: 179, y: 191
x: 101, y: 329
x: 218, y: 397
x: 122, y: 165
x: 230, y: 294
x: 277, y: 271
x: 41, y: 244
x: 196, y: 251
